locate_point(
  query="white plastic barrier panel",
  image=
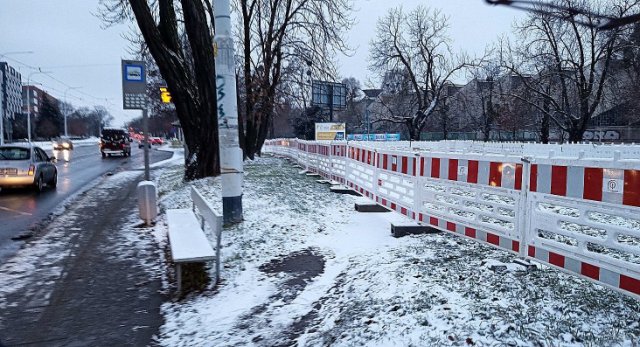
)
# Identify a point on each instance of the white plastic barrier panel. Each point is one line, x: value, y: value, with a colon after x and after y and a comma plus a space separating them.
x: 474, y: 196
x: 324, y: 160
x: 338, y: 162
x: 397, y: 181
x: 360, y: 170
x: 575, y: 207
x: 585, y: 219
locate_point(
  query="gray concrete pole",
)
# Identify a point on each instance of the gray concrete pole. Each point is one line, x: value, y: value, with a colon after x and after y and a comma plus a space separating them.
x: 66, y: 109
x: 2, y: 115
x: 230, y: 151
x: 28, y: 110
x: 145, y: 128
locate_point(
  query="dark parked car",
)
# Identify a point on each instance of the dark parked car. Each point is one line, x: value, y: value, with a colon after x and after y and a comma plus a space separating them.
x: 141, y: 143
x: 26, y: 165
x: 115, y: 141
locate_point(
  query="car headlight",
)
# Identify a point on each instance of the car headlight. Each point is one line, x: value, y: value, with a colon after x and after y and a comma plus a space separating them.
x: 65, y: 145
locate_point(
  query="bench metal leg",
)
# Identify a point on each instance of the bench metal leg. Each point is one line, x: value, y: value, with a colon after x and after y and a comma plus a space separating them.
x: 179, y: 277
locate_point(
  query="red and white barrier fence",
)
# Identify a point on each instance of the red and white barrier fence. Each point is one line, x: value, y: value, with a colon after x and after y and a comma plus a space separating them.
x: 574, y: 207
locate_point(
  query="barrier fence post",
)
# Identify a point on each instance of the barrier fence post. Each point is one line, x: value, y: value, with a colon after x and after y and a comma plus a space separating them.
x: 523, y: 211
x: 376, y: 175
x: 417, y: 188
x: 347, y: 162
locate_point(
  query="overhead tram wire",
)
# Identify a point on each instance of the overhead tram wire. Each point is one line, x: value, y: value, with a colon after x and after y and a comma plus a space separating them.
x: 568, y: 13
x: 104, y: 102
x: 61, y: 82
x: 78, y: 66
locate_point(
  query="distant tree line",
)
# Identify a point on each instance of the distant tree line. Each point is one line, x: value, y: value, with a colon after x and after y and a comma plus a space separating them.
x: 553, y: 81
x: 48, y: 123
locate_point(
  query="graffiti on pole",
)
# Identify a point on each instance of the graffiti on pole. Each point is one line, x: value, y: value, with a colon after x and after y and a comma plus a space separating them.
x: 222, y: 117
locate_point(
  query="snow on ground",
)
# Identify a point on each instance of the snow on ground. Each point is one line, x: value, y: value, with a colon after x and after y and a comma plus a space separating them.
x: 304, y: 268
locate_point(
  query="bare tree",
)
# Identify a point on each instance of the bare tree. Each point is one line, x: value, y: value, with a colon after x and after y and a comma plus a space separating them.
x: 275, y: 33
x: 569, y: 63
x: 416, y: 43
x: 179, y: 37
x: 353, y: 114
x: 625, y: 81
x: 475, y: 105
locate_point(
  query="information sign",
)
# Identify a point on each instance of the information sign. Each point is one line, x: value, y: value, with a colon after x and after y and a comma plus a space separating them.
x: 134, y: 85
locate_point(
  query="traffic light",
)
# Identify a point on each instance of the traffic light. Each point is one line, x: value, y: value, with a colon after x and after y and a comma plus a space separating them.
x: 165, y: 96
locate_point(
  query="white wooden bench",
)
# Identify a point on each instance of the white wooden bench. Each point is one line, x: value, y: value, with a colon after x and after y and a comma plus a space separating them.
x: 187, y: 238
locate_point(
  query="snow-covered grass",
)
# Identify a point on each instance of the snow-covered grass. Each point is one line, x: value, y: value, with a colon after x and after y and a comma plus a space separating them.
x: 373, y: 289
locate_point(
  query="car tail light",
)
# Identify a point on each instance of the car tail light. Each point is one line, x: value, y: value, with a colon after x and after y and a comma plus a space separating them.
x: 32, y: 170
x: 122, y: 145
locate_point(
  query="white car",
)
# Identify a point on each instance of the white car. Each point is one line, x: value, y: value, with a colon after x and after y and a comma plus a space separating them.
x: 62, y: 144
x: 26, y: 165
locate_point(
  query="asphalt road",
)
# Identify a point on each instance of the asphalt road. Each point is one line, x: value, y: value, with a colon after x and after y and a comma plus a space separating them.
x: 22, y: 211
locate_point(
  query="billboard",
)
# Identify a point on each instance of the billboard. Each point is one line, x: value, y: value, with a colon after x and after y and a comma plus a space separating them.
x: 329, y: 94
x: 374, y: 137
x: 330, y: 131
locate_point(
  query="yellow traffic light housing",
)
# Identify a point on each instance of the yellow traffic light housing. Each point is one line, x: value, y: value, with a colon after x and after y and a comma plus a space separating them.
x: 165, y: 96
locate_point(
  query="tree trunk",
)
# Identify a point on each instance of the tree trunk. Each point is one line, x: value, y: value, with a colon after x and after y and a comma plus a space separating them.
x: 445, y: 126
x: 575, y: 134
x: 544, y: 128
x: 193, y: 94
x: 250, y: 134
x: 266, y: 122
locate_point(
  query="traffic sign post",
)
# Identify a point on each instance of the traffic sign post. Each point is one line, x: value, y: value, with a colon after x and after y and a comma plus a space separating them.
x: 134, y: 97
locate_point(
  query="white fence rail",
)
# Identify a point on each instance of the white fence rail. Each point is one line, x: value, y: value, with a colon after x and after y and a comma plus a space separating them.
x: 572, y: 206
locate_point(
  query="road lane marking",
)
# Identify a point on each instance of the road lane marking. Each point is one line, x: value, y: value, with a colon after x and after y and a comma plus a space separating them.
x: 15, y: 211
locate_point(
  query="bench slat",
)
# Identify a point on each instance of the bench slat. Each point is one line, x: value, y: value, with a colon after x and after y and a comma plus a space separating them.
x: 188, y: 242
x: 206, y: 210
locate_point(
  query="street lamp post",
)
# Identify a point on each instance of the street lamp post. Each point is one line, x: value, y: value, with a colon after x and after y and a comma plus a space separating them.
x: 66, y: 106
x: 29, y: 101
x: 367, y: 117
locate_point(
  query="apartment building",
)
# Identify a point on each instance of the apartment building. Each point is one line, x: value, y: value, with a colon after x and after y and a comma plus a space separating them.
x: 32, y: 99
x: 10, y: 96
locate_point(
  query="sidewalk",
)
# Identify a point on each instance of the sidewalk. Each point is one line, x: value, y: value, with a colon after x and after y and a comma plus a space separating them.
x: 91, y: 279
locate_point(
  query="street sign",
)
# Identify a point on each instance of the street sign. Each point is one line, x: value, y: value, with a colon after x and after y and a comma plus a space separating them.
x: 165, y: 96
x: 134, y: 85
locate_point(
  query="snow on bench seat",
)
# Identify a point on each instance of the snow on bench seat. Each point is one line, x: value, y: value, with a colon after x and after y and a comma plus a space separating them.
x: 187, y: 239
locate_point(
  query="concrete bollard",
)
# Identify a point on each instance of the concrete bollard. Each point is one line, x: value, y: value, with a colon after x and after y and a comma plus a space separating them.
x: 147, y: 201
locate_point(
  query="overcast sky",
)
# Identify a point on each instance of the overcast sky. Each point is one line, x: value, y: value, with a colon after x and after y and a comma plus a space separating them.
x: 68, y: 41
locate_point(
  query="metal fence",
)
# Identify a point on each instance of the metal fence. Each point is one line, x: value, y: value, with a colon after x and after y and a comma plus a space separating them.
x: 572, y: 206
